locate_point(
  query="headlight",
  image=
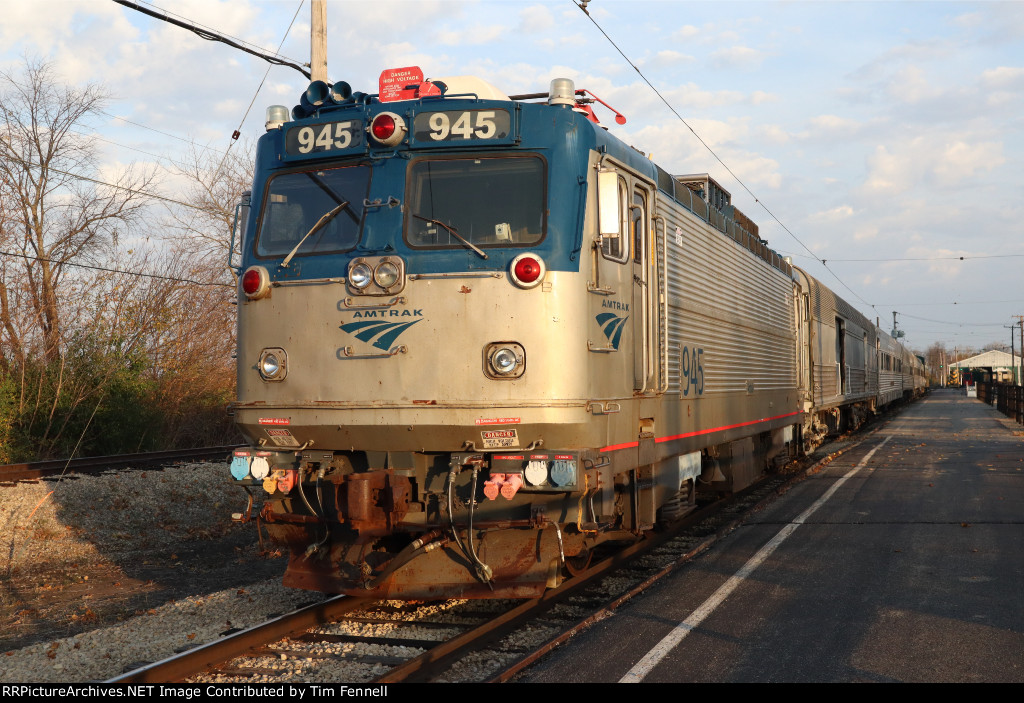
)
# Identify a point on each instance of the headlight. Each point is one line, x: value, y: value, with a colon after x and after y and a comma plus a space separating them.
x: 273, y: 364
x: 360, y: 275
x: 386, y: 275
x: 376, y: 275
x: 270, y: 365
x: 504, y: 360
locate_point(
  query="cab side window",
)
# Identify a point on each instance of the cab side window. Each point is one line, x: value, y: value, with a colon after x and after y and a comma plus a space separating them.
x: 617, y: 248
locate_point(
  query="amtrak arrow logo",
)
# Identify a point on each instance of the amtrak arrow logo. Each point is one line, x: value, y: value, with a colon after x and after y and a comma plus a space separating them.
x: 385, y: 332
x: 612, y: 325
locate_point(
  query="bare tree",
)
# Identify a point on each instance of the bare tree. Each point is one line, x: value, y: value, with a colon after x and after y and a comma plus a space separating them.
x: 937, y: 360
x: 56, y: 211
x: 140, y: 345
x: 198, y: 340
x: 216, y: 181
x: 997, y: 346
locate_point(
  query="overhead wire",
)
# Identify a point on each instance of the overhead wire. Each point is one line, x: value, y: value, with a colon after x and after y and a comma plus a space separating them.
x: 158, y: 157
x: 213, y: 35
x: 950, y: 322
x: 106, y: 269
x: 136, y: 191
x: 154, y: 129
x: 211, y: 30
x: 887, y: 259
x: 966, y: 257
x: 119, y: 187
x: 583, y: 6
x: 252, y: 102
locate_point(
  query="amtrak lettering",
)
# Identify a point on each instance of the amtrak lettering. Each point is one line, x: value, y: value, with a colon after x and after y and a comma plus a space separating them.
x: 387, y: 313
x: 615, y: 305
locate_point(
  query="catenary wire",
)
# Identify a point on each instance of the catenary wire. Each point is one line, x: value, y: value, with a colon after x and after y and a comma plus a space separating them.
x: 113, y: 185
x: 139, y: 274
x: 716, y: 156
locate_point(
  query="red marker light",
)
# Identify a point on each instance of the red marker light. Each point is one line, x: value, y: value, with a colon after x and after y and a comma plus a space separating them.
x: 383, y: 127
x: 251, y: 282
x: 388, y: 129
x: 527, y: 270
x: 256, y: 283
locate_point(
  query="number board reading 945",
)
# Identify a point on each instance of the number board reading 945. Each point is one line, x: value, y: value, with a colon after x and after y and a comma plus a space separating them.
x: 318, y: 138
x: 458, y: 125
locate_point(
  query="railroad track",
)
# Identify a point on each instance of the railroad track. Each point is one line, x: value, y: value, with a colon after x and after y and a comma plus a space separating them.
x: 362, y: 640
x: 10, y: 473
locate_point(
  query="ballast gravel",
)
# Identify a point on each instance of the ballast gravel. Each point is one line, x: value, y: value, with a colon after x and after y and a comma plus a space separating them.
x: 102, y: 572
x: 107, y: 652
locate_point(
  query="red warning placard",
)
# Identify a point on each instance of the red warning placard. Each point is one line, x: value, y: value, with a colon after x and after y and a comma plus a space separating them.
x: 400, y: 83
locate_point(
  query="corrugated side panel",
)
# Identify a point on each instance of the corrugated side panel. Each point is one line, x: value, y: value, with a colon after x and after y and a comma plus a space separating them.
x: 732, y: 304
x: 826, y: 383
x: 858, y: 382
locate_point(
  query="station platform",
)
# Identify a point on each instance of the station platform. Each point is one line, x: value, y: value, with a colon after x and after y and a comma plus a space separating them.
x: 901, y: 560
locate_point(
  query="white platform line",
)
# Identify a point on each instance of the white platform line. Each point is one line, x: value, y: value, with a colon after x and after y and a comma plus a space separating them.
x: 661, y: 650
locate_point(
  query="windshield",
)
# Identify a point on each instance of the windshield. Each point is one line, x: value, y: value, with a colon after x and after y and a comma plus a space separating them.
x: 488, y: 202
x: 297, y: 202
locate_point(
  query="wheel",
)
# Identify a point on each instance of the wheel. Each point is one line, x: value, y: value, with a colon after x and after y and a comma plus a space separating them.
x: 581, y: 562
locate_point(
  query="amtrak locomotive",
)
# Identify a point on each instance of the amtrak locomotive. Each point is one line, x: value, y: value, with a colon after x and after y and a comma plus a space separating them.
x: 478, y: 335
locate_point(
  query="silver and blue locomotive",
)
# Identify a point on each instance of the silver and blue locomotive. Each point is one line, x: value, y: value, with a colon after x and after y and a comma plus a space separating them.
x: 479, y: 335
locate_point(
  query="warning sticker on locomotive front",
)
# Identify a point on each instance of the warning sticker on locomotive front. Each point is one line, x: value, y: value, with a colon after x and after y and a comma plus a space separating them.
x: 282, y: 438
x: 495, y: 439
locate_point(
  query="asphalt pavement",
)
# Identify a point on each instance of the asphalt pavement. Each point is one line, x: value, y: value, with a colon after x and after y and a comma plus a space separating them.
x: 901, y: 560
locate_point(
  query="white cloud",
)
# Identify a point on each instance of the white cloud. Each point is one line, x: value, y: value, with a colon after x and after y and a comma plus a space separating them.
x: 535, y: 18
x: 931, y: 158
x: 773, y: 133
x: 1003, y: 77
x: 737, y: 57
x: 960, y: 160
x: 911, y: 85
x: 835, y: 214
x: 970, y: 19
x: 831, y: 128
x: 667, y: 59
x: 685, y: 33
x: 866, y: 233
x: 472, y: 36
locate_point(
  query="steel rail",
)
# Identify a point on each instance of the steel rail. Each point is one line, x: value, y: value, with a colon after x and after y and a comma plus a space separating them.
x: 440, y: 657
x: 39, y: 469
x: 197, y: 660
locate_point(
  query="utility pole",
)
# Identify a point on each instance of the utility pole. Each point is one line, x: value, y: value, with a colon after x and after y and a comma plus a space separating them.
x: 1020, y: 321
x: 1013, y: 355
x: 318, y: 40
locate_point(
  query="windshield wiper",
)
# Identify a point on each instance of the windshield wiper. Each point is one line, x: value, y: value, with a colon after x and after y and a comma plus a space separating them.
x: 454, y: 233
x: 328, y: 216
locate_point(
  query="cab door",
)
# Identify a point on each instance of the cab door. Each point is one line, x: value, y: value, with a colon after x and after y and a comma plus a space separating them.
x: 644, y: 282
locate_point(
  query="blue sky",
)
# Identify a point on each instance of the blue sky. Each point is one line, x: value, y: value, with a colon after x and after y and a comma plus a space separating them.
x: 880, y: 131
